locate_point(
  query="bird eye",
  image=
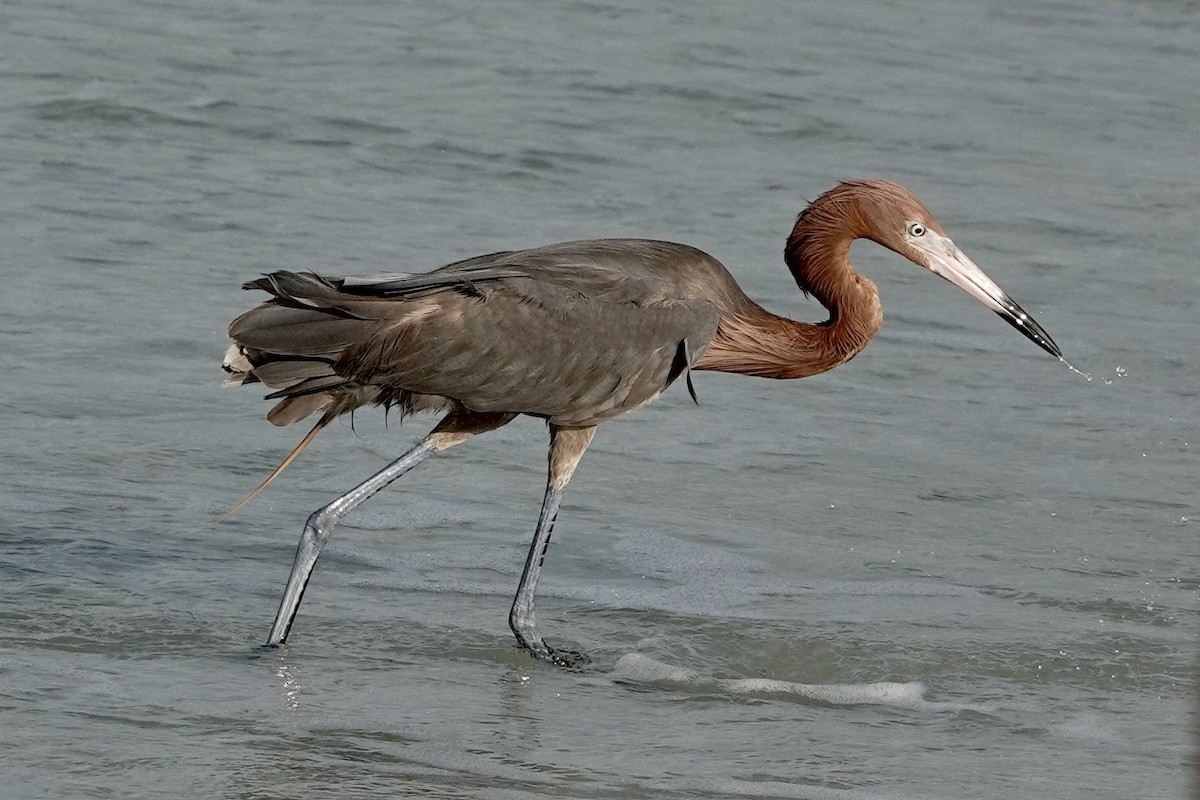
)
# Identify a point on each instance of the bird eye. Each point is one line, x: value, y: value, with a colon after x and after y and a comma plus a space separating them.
x: 916, y: 229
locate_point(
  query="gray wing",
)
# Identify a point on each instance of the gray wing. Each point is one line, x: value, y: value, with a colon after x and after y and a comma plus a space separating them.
x: 576, y: 333
x: 637, y: 271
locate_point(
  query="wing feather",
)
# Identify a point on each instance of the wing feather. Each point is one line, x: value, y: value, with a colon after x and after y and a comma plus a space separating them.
x: 576, y: 332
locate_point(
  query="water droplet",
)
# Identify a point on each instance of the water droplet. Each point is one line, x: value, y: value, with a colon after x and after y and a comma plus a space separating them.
x: 1071, y: 367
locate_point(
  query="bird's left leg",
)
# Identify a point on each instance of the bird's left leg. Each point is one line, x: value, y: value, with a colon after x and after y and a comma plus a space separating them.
x: 455, y: 428
x: 567, y: 446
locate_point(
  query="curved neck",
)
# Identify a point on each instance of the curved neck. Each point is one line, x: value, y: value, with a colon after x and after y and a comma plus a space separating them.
x: 754, y: 341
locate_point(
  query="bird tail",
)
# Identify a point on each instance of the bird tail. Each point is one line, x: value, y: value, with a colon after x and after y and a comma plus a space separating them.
x: 326, y: 418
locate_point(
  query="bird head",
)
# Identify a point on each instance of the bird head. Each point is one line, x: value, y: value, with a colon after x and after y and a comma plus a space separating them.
x: 894, y: 217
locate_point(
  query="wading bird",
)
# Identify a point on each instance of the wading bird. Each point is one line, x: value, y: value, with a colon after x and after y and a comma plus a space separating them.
x: 575, y: 333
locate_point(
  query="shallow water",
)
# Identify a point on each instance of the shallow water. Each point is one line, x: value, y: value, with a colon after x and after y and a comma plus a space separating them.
x: 951, y: 568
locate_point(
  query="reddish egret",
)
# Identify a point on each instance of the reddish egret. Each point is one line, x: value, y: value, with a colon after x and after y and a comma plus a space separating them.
x: 574, y: 333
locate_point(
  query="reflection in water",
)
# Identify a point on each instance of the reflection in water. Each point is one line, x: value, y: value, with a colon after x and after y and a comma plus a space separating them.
x: 289, y: 683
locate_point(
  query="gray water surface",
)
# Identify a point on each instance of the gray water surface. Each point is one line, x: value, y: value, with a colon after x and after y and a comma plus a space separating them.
x: 952, y: 568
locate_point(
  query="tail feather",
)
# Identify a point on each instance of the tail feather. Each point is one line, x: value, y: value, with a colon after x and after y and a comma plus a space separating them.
x: 327, y: 418
x: 292, y: 342
x: 294, y: 409
x: 287, y: 371
x: 276, y: 328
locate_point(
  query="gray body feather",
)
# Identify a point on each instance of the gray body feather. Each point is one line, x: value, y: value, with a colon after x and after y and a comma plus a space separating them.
x: 576, y: 333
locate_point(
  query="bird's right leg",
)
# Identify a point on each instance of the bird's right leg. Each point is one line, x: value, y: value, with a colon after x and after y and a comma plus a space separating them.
x: 455, y: 428
x: 567, y: 446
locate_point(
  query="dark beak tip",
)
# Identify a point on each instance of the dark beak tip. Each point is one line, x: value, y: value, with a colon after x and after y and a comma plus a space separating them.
x: 1042, y: 339
x: 1032, y: 331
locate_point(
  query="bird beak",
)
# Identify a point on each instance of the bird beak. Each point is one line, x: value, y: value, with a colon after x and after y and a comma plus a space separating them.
x: 947, y: 261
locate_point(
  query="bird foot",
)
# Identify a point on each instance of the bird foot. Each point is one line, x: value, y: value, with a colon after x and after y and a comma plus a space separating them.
x: 571, y: 659
x: 561, y: 657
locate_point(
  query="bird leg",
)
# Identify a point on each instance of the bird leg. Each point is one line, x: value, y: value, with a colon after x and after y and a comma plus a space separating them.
x: 458, y: 426
x: 567, y: 446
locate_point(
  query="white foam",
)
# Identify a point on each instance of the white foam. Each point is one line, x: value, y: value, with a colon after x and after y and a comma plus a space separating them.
x: 643, y: 669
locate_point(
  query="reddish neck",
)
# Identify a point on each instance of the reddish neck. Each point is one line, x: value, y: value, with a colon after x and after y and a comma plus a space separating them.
x: 754, y: 341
